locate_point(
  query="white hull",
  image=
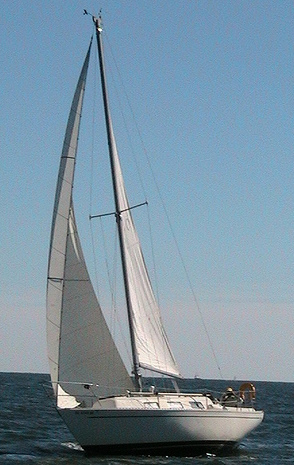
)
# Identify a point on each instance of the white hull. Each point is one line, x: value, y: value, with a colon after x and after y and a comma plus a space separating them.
x: 162, y: 430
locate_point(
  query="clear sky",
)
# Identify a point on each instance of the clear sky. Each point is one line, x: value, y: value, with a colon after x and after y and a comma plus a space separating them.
x: 211, y: 86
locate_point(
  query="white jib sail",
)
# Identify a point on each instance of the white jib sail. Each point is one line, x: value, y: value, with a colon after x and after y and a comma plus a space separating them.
x: 152, y: 346
x: 80, y: 346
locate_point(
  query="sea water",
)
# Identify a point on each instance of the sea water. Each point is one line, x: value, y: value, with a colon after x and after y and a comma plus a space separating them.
x: 31, y: 431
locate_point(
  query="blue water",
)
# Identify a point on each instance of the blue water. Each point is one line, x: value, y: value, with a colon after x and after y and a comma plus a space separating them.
x: 31, y: 432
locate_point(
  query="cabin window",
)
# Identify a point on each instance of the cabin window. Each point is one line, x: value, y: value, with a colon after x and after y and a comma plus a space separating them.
x: 197, y: 405
x: 151, y: 405
x: 175, y: 405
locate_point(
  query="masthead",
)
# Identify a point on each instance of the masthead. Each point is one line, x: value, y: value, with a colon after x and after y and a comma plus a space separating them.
x: 97, y: 20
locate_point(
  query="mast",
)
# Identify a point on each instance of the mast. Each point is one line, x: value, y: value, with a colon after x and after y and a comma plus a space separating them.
x: 112, y: 149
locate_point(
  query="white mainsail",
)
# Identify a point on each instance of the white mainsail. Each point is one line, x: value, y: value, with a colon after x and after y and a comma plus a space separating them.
x: 80, y: 346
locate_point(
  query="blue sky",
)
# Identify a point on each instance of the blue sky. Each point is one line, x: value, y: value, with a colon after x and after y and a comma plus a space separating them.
x: 211, y: 86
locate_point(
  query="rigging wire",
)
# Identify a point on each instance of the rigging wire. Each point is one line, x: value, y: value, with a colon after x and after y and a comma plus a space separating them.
x: 122, y: 112
x: 182, y: 260
x: 166, y: 214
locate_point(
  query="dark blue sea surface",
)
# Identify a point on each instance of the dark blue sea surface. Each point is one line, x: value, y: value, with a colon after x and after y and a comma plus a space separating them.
x: 31, y: 432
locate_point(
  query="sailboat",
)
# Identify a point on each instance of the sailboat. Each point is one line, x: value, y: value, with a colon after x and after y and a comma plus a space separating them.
x: 102, y: 401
